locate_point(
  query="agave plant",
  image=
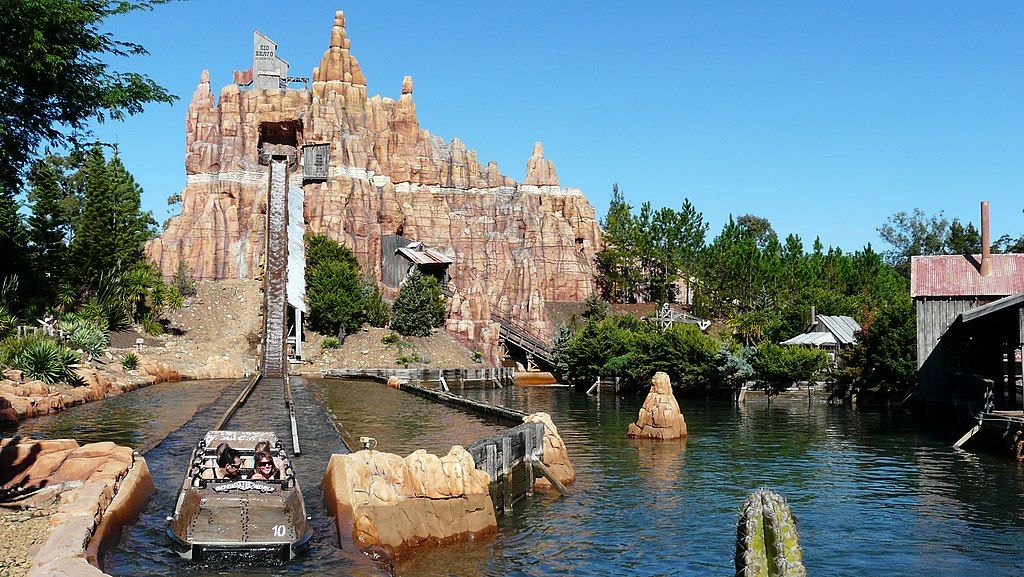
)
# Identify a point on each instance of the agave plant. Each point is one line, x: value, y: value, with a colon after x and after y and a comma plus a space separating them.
x: 130, y: 361
x: 767, y: 544
x: 151, y: 325
x: 47, y: 361
x: 8, y: 323
x: 85, y: 334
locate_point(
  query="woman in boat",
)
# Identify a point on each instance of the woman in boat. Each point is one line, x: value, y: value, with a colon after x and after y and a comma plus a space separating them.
x: 264, y: 468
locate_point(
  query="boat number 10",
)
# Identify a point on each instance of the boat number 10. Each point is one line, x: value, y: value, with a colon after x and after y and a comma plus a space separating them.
x: 280, y: 530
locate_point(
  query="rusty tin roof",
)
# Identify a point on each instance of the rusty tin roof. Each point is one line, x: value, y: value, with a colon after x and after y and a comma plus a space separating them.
x: 958, y: 276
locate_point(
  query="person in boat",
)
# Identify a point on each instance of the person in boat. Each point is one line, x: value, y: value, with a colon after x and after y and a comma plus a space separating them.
x: 264, y: 468
x: 229, y: 463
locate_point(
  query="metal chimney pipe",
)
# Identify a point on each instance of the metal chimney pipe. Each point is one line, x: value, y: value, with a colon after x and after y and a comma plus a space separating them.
x: 986, y: 251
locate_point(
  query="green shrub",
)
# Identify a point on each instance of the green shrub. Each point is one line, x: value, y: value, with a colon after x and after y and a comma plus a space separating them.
x: 151, y: 325
x: 408, y: 359
x: 84, y: 334
x: 183, y: 281
x: 776, y: 367
x: 130, y: 361
x: 8, y: 323
x: 419, y: 306
x: 391, y: 338
x: 478, y: 357
x: 47, y: 361
x: 330, y: 343
x: 378, y: 311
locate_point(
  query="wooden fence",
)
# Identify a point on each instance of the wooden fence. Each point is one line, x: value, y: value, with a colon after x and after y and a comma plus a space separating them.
x: 510, y: 459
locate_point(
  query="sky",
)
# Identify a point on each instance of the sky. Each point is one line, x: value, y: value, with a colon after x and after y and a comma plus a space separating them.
x: 823, y: 117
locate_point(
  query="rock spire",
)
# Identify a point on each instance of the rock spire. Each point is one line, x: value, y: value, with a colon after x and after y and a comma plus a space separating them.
x: 539, y: 170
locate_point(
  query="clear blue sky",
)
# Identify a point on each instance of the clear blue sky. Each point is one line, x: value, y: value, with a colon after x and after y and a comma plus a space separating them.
x: 824, y: 117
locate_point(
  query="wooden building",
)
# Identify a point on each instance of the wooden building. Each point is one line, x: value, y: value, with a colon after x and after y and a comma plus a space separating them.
x: 829, y: 333
x: 944, y: 288
x: 399, y: 255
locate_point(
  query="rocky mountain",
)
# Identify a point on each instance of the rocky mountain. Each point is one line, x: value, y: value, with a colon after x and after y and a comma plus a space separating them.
x: 514, y: 245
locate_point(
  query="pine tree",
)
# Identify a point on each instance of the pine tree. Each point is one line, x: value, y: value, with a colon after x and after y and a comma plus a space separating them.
x: 14, y: 255
x: 48, y: 224
x: 419, y: 306
x: 132, y: 226
x: 93, y: 247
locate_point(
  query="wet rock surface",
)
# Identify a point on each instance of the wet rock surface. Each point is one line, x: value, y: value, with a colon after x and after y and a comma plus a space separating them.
x: 659, y: 417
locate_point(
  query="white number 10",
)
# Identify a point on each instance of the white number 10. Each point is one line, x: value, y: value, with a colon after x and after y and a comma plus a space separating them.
x: 280, y: 530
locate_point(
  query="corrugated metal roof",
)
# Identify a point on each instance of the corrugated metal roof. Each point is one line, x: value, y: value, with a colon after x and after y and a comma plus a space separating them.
x: 815, y: 339
x: 424, y: 256
x: 844, y: 328
x: 958, y: 276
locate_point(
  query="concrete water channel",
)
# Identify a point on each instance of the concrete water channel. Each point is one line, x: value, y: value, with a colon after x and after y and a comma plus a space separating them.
x: 872, y: 495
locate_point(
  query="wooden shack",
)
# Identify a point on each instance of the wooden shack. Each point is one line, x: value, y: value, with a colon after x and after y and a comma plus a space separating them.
x: 944, y: 287
x: 830, y: 333
x: 400, y: 255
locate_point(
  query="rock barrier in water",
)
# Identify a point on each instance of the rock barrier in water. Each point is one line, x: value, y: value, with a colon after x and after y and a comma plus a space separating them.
x: 93, y: 491
x: 392, y: 504
x: 555, y: 455
x: 21, y: 400
x: 660, y: 417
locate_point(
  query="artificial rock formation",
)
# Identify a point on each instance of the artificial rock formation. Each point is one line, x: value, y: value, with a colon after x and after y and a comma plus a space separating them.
x: 392, y: 504
x: 555, y: 456
x: 98, y: 489
x: 515, y: 246
x: 660, y: 417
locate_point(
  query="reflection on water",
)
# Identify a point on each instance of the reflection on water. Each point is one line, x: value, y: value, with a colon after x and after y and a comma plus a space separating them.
x: 401, y: 422
x: 872, y: 495
x: 136, y: 419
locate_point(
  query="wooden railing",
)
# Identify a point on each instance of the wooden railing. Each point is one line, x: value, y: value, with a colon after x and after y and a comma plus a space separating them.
x: 510, y: 459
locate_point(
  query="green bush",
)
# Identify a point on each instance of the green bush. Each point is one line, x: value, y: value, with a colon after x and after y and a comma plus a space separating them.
x: 8, y: 323
x: 391, y: 338
x: 183, y: 281
x: 151, y: 325
x: 334, y: 287
x: 47, y: 361
x: 419, y: 306
x: 84, y: 334
x: 776, y: 367
x: 130, y: 361
x: 378, y: 311
x: 408, y: 359
x: 330, y: 343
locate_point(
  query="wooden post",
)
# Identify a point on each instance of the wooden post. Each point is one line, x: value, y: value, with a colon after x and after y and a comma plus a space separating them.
x: 551, y: 478
x: 528, y: 438
x: 491, y: 464
x: 974, y: 430
x: 506, y: 473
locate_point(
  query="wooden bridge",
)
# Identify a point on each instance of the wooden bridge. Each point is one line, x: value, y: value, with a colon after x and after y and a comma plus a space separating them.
x: 534, y: 346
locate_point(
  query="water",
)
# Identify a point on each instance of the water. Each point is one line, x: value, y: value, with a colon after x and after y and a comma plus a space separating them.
x: 138, y: 419
x: 872, y: 496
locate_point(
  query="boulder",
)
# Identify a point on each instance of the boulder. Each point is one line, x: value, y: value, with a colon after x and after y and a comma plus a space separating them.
x: 391, y: 504
x: 556, y: 455
x: 395, y: 382
x: 660, y: 417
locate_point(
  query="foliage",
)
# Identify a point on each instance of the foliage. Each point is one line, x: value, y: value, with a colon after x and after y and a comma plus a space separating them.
x: 378, y: 311
x: 47, y: 361
x: 335, y: 292
x: 84, y: 334
x: 391, y: 338
x: 419, y: 306
x: 409, y: 359
x: 112, y: 229
x: 648, y: 252
x: 183, y: 281
x: 57, y: 76
x: 151, y: 325
x: 330, y: 343
x: 48, y: 224
x: 596, y: 308
x: 130, y: 361
x: 776, y: 367
x: 886, y: 359
x: 478, y: 357
x: 8, y: 323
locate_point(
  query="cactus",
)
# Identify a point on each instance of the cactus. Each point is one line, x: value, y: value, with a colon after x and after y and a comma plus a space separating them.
x: 767, y: 544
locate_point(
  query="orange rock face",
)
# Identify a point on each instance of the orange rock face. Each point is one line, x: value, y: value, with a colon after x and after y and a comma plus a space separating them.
x: 392, y: 504
x: 515, y: 246
x: 660, y: 417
